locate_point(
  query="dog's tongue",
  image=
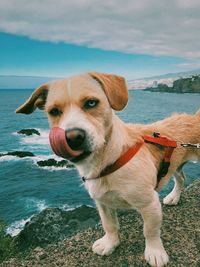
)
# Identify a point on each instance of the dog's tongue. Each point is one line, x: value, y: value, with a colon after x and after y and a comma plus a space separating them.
x: 60, y: 146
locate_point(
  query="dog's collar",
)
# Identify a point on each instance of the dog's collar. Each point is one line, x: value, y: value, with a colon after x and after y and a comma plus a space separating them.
x: 120, y: 162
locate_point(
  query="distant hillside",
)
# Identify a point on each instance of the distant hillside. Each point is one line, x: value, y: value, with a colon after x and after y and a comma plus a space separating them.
x: 182, y: 85
x: 31, y: 82
x: 168, y: 79
x: 22, y: 82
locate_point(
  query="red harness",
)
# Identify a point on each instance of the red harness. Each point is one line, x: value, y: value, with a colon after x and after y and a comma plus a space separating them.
x: 156, y: 139
x: 169, y: 146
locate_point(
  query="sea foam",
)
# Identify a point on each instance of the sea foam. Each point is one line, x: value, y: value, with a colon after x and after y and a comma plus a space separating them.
x: 16, y: 227
x: 8, y: 158
x: 42, y: 139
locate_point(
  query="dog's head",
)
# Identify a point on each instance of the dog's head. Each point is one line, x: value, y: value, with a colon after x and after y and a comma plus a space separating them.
x: 79, y: 110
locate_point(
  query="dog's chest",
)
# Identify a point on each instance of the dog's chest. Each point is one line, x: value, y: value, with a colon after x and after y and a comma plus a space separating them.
x: 112, y: 199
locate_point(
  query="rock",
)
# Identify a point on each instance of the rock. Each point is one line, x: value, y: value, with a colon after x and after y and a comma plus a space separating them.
x: 54, y: 163
x: 29, y: 132
x: 19, y: 154
x: 54, y: 224
x: 39, y: 253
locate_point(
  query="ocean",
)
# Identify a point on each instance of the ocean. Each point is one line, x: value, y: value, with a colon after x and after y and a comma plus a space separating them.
x: 26, y: 189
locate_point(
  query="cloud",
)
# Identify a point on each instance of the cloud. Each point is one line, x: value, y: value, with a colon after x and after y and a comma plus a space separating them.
x: 153, y: 27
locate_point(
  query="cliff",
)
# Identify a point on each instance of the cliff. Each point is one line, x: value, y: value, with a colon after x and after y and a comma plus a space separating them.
x: 180, y: 234
x: 182, y: 85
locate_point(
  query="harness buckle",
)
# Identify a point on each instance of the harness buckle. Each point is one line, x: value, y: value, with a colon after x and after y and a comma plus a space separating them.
x: 156, y: 134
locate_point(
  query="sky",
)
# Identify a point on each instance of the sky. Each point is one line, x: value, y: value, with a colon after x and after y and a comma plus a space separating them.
x: 132, y: 38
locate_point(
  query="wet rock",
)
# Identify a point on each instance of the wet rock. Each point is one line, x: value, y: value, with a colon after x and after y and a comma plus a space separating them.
x: 19, y: 154
x: 54, y: 163
x: 54, y: 224
x: 29, y: 132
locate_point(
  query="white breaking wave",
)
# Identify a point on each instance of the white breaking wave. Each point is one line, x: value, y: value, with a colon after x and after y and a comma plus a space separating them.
x: 67, y: 207
x: 16, y: 227
x: 42, y: 139
x: 53, y: 168
x: 8, y: 158
x: 35, y: 204
x: 31, y: 203
x: 35, y: 159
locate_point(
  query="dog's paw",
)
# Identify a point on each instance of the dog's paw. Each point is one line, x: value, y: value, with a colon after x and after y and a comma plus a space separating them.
x: 171, y: 199
x: 156, y: 255
x: 105, y: 245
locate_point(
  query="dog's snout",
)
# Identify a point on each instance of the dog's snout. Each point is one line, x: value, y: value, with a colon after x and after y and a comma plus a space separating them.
x: 75, y: 138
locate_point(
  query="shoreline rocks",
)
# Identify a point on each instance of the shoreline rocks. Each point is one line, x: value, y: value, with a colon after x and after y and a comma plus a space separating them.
x: 180, y: 234
x: 19, y: 154
x: 182, y: 85
x: 41, y: 163
x: 54, y: 163
x: 29, y: 132
x: 53, y: 224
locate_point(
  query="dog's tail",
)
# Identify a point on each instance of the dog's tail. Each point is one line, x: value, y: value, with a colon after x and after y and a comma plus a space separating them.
x: 198, y: 113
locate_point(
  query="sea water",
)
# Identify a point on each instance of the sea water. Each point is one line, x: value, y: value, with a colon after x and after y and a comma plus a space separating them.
x: 27, y: 189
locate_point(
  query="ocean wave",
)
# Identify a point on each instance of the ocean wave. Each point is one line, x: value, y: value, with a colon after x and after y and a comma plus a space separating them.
x: 52, y: 168
x: 67, y: 207
x: 32, y: 203
x: 16, y: 227
x: 35, y: 159
x: 8, y: 158
x: 42, y: 139
x: 35, y: 204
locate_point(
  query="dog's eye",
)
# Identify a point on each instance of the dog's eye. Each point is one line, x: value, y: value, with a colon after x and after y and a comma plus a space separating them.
x: 91, y: 103
x: 55, y: 112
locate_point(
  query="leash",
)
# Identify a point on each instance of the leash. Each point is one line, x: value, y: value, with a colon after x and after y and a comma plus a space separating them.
x: 190, y: 145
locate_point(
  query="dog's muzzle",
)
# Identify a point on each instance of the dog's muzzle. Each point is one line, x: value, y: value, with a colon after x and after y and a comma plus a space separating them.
x: 67, y: 144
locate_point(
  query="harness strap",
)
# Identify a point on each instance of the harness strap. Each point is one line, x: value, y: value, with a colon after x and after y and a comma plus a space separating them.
x: 169, y: 145
x: 160, y: 140
x: 120, y: 162
x: 156, y: 139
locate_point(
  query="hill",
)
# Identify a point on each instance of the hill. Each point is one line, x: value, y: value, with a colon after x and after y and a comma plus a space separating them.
x: 182, y: 85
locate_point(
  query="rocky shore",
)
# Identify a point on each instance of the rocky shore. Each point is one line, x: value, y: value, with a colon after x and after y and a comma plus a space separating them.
x: 182, y: 85
x: 180, y: 234
x: 51, y: 162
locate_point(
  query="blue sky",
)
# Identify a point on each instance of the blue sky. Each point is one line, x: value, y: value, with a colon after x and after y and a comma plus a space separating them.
x: 23, y: 56
x: 137, y: 39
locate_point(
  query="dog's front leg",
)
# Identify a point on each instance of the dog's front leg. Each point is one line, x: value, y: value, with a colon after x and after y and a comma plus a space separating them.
x: 155, y: 253
x: 107, y: 244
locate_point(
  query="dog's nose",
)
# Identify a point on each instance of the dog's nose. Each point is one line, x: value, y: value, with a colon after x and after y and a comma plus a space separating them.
x: 75, y: 138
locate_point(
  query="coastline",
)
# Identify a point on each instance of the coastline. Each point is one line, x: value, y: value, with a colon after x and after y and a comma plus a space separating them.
x: 180, y: 234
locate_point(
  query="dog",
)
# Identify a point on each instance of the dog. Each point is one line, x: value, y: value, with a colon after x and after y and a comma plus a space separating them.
x: 87, y: 132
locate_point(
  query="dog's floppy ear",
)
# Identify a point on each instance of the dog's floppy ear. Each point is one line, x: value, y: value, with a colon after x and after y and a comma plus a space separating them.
x: 36, y: 100
x: 114, y: 87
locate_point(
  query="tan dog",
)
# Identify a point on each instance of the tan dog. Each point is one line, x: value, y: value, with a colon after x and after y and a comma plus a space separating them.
x: 82, y: 106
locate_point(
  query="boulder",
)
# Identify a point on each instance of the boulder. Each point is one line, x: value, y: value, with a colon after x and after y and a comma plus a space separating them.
x: 54, y: 224
x: 29, y: 132
x: 54, y: 163
x: 19, y: 154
